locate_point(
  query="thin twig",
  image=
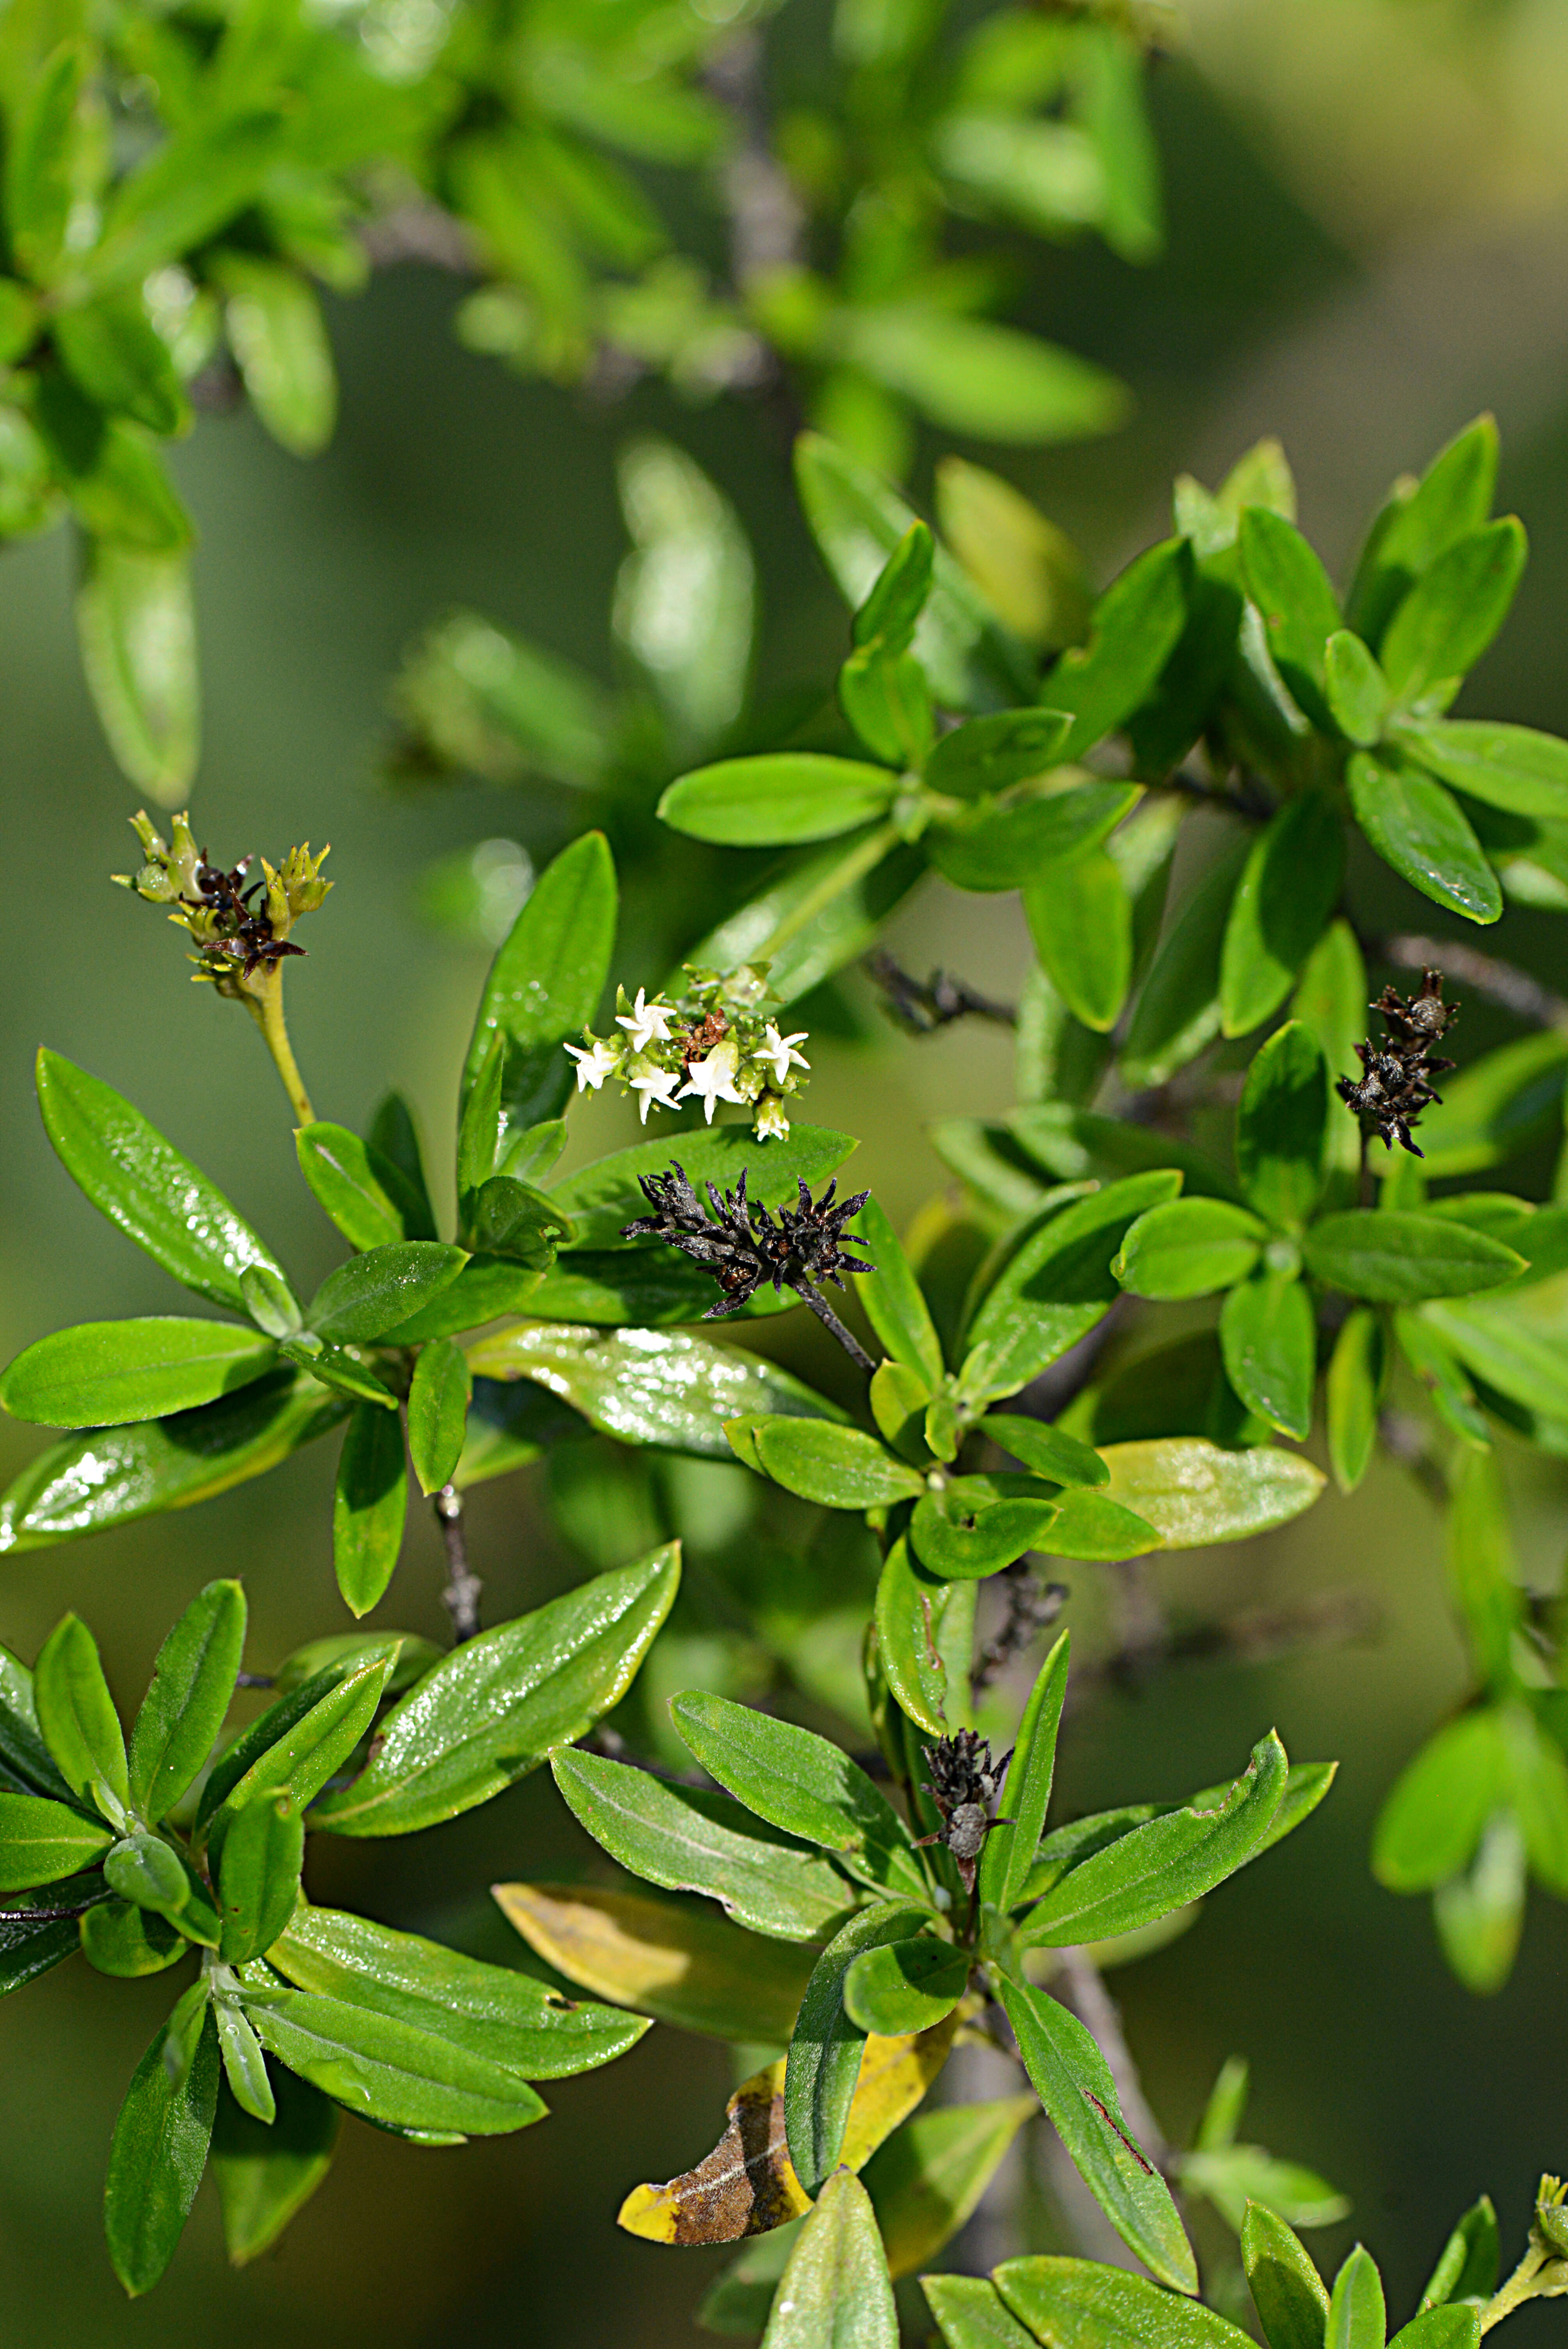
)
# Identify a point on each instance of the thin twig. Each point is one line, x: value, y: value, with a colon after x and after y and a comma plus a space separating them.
x: 1032, y: 1608
x: 921, y: 1008
x: 831, y: 1324
x: 255, y: 1680
x: 461, y: 1596
x: 1256, y: 1636
x: 1500, y: 982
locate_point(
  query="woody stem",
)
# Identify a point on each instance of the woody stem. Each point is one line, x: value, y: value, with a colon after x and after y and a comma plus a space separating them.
x: 830, y: 1322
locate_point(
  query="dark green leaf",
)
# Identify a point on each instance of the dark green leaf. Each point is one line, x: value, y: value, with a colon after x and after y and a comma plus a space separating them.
x: 486, y: 1288
x: 1451, y: 615
x: 989, y: 847
x: 1421, y: 522
x: 42, y: 1841
x: 107, y: 1373
x: 335, y: 1367
x: 265, y: 2174
x: 1299, y: 609
x: 369, y: 1197
x: 700, y: 1842
x: 374, y: 1292
x: 1073, y: 2081
x: 135, y: 1178
x: 1416, y: 825
x: 296, y: 1746
x: 1136, y: 626
x: 497, y: 1705
x: 1508, y: 767
x: 117, y: 357
x: 76, y: 1716
x: 1044, y: 1449
x: 1009, y: 1850
x: 790, y: 795
x: 1074, y: 1144
x: 184, y: 1708
x: 439, y: 1399
x: 835, y: 2292
x: 136, y: 630
x: 891, y: 1297
x: 1356, y: 2316
x: 1287, y: 2290
x: 395, y: 1138
x: 1056, y: 1286
x: 970, y: 2313
x: 825, y: 2050
x: 482, y: 1123
x: 905, y: 1986
x: 1080, y: 917
x: 989, y: 754
x: 1280, y: 1126
x: 118, y: 488
x: 1393, y: 1258
x: 509, y: 1218
x: 1467, y: 2265
x: 901, y: 592
x: 1269, y: 1341
x: 1357, y: 690
x: 970, y: 1527
x: 545, y: 982
x: 160, y: 2147
x: 411, y: 1658
x: 388, y: 2070
x: 1079, y: 2303
x: 257, y: 1878
x: 1289, y: 888
x: 369, y: 1507
x: 599, y: 1198
x: 1433, y: 1818
x: 1178, y: 1007
x: 1189, y: 1247
x: 1357, y: 1372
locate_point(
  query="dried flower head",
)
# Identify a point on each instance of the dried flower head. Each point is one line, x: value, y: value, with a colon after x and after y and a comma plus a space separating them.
x: 1395, y: 1085
x: 965, y: 1784
x: 241, y: 926
x: 1421, y: 1020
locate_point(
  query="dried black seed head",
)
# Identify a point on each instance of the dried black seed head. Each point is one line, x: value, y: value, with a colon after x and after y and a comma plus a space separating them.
x: 1420, y: 1019
x: 1395, y: 1085
x: 965, y: 1783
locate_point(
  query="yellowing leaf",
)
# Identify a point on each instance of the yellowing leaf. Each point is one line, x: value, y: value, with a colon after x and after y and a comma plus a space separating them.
x: 747, y: 2185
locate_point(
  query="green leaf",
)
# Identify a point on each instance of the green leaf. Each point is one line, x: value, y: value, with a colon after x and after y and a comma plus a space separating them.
x: 988, y: 847
x: 1281, y: 1124
x: 789, y: 795
x: 1392, y: 1258
x: 270, y: 1302
x: 970, y: 2313
x: 1433, y: 1817
x: 1080, y: 917
x: 244, y: 2066
x: 1073, y: 2081
x: 439, y: 1399
x: 1268, y: 1338
x: 507, y: 2017
x: 482, y: 1125
x: 511, y: 1219
x: 1421, y: 522
x: 599, y: 1198
x: 387, y: 2070
x: 1440, y: 2328
x: 499, y: 1705
x: 144, y: 1868
x: 694, y: 1841
x: 546, y: 980
x: 1193, y: 1493
x: 1357, y: 690
x: 1162, y: 1865
x: 886, y: 700
x: 264, y: 2174
x: 970, y: 376
x: 1093, y: 1525
x: 257, y: 1878
x: 184, y: 1708
x: 1330, y: 1002
x: 1298, y: 606
x: 1075, y: 1144
x: 974, y: 1526
x: 989, y: 754
x: 1503, y: 1100
x: 1508, y: 767
x: 826, y: 2048
x: 1480, y: 1913
x: 344, y: 1372
x: 1189, y: 1247
x: 1056, y: 1286
x: 1467, y: 2265
x: 298, y: 1743
x: 1357, y: 1372
x: 41, y: 150
x: 107, y: 1373
x: 910, y: 1607
x: 159, y: 2145
x: 1438, y: 1367
x: 42, y: 1841
x: 1538, y: 1789
x: 821, y: 912
x: 1136, y: 626
x: 117, y: 357
x: 1356, y: 2316
x: 374, y: 1292
x: 486, y: 1288
x: 369, y: 1507
x: 76, y: 1716
x: 800, y: 1783
x: 891, y: 1296
x: 278, y: 337
x: 1078, y: 2301
x: 1453, y: 612
x: 1290, y: 885
x: 840, y: 1467
x: 1009, y: 1848
x: 857, y: 520
x: 120, y: 1940
x: 926, y: 2179
x: 1178, y: 1009
x: 395, y: 1138
x: 411, y: 1658
x: 25, y: 1762
x: 182, y: 193
x: 1287, y: 2290
x: 370, y: 1198
x: 905, y: 1986
x: 115, y: 484
x: 135, y: 1178
x: 1047, y: 1450
x: 836, y: 2292
x: 136, y: 626
x: 1416, y: 825
x: 902, y: 591
x: 1483, y: 1571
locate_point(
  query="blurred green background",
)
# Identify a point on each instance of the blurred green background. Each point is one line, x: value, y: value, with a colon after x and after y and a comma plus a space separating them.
x: 1369, y: 242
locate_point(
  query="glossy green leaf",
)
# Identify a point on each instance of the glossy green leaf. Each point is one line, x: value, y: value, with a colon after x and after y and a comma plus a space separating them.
x: 1298, y: 606
x: 1162, y: 1866
x: 1079, y: 2304
x: 76, y: 1716
x: 840, y: 1467
x: 136, y: 626
x: 989, y: 847
x: 1178, y: 1009
x: 369, y: 1197
x: 694, y: 1841
x: 1416, y: 825
x: 801, y: 1783
x: 244, y: 2065
x: 388, y: 2070
x: 1189, y: 1247
x: 159, y: 2145
x: 1056, y: 1286
x: 411, y: 1656
x: 835, y: 2292
x: 369, y: 1504
x: 1356, y: 2316
x: 1044, y: 1450
x: 107, y: 1373
x: 890, y: 1294
x: 257, y: 1878
x: 507, y: 2017
x: 1508, y: 767
x: 971, y: 1527
x: 336, y: 1368
x: 270, y: 1302
x: 1289, y: 888
x: 439, y: 1399
x: 135, y: 1178
x: 42, y: 1841
x: 905, y: 1986
x: 494, y: 1709
x: 1358, y: 1371
x: 1287, y: 2290
x: 1433, y: 1817
x: 1392, y: 1258
x: 1422, y: 520
x: 374, y: 1292
x: 546, y: 980
x: 1136, y: 625
x: 1453, y: 612
x: 827, y: 2046
x: 395, y: 1137
x: 184, y: 1708
x: 1268, y: 1338
x: 1080, y: 917
x: 25, y: 1766
x: 787, y: 796
x: 971, y: 2314
x: 486, y: 1288
x: 1009, y: 1850
x: 1468, y: 2262
x: 279, y: 339
x: 299, y: 1743
x: 265, y: 2174
x: 1356, y: 688
x: 1193, y: 1492
x: 127, y: 1942
x: 1073, y: 2081
x: 603, y: 1196
x: 1281, y: 1123
x: 1440, y: 2328
x: 910, y: 1608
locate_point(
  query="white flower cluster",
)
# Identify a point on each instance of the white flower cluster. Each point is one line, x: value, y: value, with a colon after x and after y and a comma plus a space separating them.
x: 715, y: 1043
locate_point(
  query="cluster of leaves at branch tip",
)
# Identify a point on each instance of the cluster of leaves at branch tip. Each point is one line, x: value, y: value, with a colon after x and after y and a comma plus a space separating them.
x: 717, y: 1041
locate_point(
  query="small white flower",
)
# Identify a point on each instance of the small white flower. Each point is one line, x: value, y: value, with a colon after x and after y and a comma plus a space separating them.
x: 781, y: 1051
x: 712, y: 1079
x: 646, y: 1023
x: 656, y: 1086
x: 772, y: 1126
x: 595, y: 1064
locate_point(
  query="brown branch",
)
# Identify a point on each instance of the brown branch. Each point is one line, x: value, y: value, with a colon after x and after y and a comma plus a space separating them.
x: 1083, y: 1990
x: 920, y: 1008
x: 461, y: 1596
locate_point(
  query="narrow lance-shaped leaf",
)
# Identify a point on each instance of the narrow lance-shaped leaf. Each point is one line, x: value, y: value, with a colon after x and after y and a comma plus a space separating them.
x: 76, y: 1716
x: 369, y: 1505
x: 1357, y: 2316
x: 890, y: 1294
x: 1009, y: 1851
x: 1417, y: 827
x: 836, y: 2292
x: 1082, y: 2301
x: 369, y: 1197
x: 439, y: 1399
x: 298, y: 1743
x: 1287, y: 2290
x: 258, y: 1877
x: 387, y: 2070
x: 545, y: 982
x: 184, y: 1708
x: 159, y: 2145
x: 266, y: 2173
x: 43, y: 1841
x: 826, y: 2046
